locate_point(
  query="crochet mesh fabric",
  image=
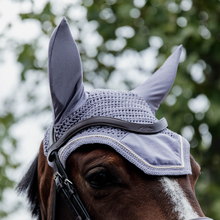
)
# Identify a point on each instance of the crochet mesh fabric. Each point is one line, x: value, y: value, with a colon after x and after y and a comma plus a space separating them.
x: 116, y: 104
x: 123, y: 105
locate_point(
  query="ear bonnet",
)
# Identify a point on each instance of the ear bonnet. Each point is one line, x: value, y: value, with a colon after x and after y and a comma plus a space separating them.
x: 162, y: 153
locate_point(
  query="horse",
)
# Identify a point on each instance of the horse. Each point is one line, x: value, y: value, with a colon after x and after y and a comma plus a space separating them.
x: 105, y: 156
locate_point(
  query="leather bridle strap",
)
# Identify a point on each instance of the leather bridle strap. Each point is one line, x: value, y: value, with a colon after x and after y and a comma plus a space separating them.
x: 63, y: 185
x: 107, y: 121
x: 54, y: 202
x: 67, y: 191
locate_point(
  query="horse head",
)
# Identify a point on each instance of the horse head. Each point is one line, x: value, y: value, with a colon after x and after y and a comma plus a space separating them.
x: 110, y: 157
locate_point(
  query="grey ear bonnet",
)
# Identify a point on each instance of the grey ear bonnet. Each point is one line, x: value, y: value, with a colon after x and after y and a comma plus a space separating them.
x: 65, y: 73
x: 164, y: 153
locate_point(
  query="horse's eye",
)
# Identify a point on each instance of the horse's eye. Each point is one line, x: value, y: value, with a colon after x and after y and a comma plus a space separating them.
x: 100, y: 179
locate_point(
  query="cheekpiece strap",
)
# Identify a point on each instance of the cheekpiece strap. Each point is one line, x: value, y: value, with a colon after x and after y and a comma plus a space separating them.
x: 68, y: 192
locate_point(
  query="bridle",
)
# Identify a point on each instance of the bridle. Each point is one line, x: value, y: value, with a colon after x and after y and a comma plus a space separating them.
x: 63, y: 186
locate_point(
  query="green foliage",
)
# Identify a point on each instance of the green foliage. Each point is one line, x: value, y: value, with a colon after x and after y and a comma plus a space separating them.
x: 195, y: 25
x: 9, y: 144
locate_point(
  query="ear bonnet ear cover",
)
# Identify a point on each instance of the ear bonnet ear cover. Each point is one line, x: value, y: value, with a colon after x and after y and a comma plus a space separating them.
x: 65, y: 73
x: 164, y: 153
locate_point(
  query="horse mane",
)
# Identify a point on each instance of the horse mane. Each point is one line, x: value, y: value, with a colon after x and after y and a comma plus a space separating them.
x: 29, y: 186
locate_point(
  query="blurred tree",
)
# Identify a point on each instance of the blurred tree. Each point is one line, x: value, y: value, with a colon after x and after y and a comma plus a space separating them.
x: 110, y: 33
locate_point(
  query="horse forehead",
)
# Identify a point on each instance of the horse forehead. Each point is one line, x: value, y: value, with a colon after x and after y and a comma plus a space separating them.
x: 98, y: 154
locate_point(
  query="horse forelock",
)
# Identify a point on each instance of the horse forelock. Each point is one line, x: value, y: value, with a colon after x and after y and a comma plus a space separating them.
x: 29, y: 186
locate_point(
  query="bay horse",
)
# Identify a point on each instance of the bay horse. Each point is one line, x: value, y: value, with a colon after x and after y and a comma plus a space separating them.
x: 106, y: 156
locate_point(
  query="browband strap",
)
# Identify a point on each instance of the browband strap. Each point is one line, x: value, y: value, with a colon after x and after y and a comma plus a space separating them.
x: 107, y: 121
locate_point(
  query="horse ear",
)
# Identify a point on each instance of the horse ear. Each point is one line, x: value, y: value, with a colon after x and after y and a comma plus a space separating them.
x: 155, y: 89
x: 65, y: 73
